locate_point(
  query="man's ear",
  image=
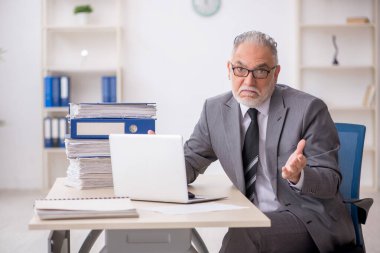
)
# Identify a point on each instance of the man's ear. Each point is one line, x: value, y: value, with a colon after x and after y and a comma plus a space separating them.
x: 277, y: 72
x: 229, y: 70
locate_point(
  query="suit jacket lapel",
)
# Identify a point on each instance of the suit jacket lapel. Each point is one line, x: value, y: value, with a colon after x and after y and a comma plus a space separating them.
x: 276, y: 119
x: 231, y: 122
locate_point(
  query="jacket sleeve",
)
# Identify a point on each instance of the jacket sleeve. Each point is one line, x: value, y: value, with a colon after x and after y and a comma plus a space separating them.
x: 321, y: 174
x: 198, y: 150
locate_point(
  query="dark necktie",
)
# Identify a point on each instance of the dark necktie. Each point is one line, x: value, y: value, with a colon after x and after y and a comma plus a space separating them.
x: 251, y: 154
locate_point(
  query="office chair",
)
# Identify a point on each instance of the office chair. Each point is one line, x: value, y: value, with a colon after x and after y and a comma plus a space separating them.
x: 350, y: 154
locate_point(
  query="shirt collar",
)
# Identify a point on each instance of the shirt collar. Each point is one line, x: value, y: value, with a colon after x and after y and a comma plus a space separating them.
x: 262, y: 108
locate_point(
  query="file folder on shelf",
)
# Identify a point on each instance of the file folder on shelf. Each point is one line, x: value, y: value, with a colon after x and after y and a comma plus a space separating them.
x: 52, y: 91
x: 97, y: 128
x: 65, y: 91
x: 55, y: 131
x: 112, y: 89
x: 48, y: 81
x: 109, y: 89
x: 62, y: 131
x: 48, y: 141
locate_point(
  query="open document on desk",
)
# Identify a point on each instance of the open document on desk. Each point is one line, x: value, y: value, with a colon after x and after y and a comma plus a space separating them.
x: 193, y: 208
x: 49, y: 209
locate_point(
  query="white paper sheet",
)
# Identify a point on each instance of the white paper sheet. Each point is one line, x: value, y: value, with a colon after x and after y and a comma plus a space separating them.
x: 193, y: 208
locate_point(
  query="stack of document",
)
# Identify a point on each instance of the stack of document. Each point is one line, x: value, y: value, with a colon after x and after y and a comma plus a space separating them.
x: 113, y: 110
x: 88, y: 148
x: 99, y: 120
x: 50, y: 209
x: 89, y: 172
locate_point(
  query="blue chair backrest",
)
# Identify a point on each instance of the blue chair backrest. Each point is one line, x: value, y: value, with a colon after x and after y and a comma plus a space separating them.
x: 350, y: 154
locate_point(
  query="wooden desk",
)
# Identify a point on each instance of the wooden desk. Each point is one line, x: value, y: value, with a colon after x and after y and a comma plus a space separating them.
x: 205, y: 184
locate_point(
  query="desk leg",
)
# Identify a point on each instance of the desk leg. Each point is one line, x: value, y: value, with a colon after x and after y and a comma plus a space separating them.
x: 59, y: 241
x: 198, y: 242
x: 149, y: 241
x: 90, y: 240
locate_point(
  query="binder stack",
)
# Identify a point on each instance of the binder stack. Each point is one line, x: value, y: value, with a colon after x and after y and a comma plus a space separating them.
x: 87, y: 146
x: 56, y: 94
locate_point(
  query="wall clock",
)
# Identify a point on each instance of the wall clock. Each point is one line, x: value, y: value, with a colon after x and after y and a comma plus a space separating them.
x: 206, y: 7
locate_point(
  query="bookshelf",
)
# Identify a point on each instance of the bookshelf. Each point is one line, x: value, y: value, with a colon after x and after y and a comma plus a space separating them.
x: 84, y: 53
x: 343, y: 86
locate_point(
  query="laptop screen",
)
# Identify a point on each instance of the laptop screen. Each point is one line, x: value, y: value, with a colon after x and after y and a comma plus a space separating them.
x: 149, y: 167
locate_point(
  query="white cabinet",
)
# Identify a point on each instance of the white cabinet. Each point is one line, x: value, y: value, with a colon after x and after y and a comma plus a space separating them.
x: 84, y: 53
x: 349, y: 88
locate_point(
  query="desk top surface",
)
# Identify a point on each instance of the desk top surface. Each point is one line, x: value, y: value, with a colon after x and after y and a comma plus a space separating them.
x: 205, y: 184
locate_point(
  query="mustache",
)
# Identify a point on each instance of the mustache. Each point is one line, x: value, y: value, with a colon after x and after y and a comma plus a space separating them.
x: 246, y: 88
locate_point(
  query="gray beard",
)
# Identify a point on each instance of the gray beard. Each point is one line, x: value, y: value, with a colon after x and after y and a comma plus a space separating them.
x: 254, y: 102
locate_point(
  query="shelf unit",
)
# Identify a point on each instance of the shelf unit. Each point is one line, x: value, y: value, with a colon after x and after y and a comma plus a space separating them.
x: 343, y: 87
x: 63, y: 42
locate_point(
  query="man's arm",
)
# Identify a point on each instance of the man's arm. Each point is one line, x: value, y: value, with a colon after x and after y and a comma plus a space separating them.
x: 316, y: 154
x: 198, y: 149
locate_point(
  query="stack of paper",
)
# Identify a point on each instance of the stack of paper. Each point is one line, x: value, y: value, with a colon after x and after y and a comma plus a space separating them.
x: 112, y: 110
x: 49, y: 209
x: 89, y: 172
x: 87, y: 147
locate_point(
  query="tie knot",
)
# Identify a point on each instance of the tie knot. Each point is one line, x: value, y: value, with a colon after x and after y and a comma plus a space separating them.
x: 252, y: 113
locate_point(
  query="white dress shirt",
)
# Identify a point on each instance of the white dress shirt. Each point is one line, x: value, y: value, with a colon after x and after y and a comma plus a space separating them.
x: 266, y: 199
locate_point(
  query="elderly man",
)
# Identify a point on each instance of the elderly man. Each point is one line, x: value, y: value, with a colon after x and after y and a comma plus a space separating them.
x: 279, y: 147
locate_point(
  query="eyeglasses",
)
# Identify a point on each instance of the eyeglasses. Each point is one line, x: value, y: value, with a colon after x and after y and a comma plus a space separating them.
x: 258, y: 73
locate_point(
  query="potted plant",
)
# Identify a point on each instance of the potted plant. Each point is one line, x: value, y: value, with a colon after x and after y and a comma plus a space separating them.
x: 82, y: 12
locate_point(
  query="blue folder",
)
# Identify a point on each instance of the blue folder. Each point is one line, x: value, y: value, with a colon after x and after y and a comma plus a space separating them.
x: 112, y: 89
x: 48, y: 141
x: 48, y: 81
x: 55, y: 131
x: 62, y: 131
x: 109, y: 89
x: 56, y: 90
x: 65, y: 91
x: 101, y: 128
x: 105, y: 89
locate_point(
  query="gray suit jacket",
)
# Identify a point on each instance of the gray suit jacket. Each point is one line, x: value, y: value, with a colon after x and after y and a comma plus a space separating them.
x: 293, y: 115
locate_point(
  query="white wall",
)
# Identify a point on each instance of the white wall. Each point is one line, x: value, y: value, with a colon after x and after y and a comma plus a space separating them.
x: 177, y: 58
x: 20, y: 105
x: 171, y: 56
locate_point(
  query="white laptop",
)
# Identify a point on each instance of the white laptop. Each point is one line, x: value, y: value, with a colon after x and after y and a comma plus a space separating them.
x: 151, y: 167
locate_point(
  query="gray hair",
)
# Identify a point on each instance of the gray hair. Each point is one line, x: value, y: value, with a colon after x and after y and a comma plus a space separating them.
x: 258, y: 38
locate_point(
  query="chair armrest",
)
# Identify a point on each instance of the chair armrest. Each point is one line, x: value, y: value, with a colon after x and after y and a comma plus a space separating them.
x: 363, y: 206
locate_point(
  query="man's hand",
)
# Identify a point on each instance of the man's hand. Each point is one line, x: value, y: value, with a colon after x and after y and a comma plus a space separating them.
x: 151, y: 132
x: 295, y: 164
